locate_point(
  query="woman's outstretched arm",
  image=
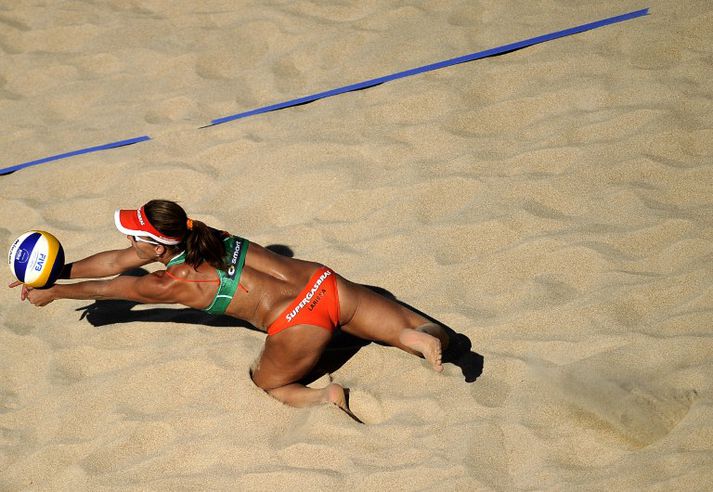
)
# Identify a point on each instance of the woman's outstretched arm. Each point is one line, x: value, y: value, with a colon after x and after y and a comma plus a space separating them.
x: 99, y: 265
x: 105, y: 264
x: 149, y: 289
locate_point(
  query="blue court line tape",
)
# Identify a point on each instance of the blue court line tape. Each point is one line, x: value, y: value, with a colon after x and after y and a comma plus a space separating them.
x: 112, y: 145
x: 434, y: 66
x: 358, y: 86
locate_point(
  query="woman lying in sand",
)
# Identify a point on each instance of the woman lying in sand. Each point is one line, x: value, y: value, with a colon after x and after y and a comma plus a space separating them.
x: 298, y: 303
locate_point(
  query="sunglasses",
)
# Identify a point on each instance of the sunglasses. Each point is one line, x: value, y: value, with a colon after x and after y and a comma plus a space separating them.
x: 140, y: 239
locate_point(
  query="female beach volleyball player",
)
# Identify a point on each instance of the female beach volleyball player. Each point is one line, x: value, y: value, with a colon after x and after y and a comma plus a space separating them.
x: 298, y: 303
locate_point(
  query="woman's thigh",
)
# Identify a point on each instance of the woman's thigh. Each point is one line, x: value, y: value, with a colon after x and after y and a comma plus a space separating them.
x: 369, y: 315
x: 288, y: 356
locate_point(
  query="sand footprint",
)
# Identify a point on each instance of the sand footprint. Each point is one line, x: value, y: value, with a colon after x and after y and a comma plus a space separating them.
x: 646, y: 417
x: 639, y: 412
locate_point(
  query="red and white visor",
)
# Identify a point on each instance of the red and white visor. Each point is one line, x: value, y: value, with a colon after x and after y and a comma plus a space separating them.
x: 135, y: 223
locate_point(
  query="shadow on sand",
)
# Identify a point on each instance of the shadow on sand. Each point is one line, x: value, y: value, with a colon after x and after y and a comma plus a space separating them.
x: 341, y: 348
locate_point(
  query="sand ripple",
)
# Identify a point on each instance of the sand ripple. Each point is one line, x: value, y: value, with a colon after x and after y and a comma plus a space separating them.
x: 553, y: 205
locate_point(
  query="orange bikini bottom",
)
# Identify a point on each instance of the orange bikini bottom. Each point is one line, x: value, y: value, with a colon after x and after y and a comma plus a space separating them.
x: 316, y: 305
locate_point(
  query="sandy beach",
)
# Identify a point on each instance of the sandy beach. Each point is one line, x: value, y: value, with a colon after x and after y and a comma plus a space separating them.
x: 553, y: 205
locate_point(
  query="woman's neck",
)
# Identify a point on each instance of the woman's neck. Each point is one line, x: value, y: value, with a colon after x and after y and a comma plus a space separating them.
x: 169, y: 255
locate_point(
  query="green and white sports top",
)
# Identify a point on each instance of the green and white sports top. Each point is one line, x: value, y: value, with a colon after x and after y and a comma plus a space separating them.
x: 235, y: 250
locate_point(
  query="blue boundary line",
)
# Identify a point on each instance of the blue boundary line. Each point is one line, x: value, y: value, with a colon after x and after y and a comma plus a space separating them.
x: 112, y: 145
x: 434, y: 66
x: 354, y: 87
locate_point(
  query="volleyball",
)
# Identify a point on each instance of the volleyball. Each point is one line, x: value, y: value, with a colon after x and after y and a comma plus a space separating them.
x: 36, y: 259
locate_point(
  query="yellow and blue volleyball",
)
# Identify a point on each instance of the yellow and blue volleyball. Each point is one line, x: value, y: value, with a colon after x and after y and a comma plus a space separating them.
x: 36, y: 259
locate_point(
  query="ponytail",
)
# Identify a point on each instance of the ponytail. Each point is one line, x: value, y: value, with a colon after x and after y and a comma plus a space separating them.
x: 202, y: 243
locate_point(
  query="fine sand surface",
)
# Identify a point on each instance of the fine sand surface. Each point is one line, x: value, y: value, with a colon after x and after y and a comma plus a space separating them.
x: 553, y: 205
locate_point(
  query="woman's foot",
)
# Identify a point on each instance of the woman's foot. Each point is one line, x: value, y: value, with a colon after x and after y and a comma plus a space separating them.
x: 424, y: 343
x: 336, y: 394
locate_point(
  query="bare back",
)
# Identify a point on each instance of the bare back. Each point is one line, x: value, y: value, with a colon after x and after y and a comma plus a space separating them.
x: 270, y: 282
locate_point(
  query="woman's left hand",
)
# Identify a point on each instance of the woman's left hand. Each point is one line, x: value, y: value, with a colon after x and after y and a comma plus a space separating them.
x: 40, y: 297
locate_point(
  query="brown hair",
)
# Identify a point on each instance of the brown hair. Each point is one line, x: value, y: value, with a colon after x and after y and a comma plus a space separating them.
x: 202, y: 243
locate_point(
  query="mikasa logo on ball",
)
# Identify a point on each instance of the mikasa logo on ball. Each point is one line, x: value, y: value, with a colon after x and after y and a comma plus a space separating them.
x: 12, y: 255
